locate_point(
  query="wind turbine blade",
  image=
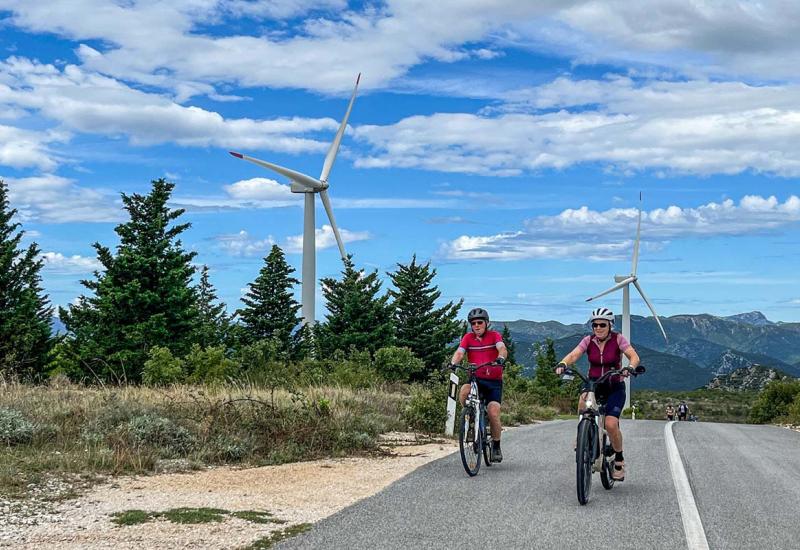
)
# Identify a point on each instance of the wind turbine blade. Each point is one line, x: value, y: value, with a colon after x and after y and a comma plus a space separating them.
x: 293, y: 175
x: 331, y: 156
x: 326, y: 202
x: 655, y: 315
x: 636, y: 243
x: 613, y: 288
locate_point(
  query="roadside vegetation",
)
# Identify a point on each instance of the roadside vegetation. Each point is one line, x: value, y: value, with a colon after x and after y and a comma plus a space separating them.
x: 707, y: 405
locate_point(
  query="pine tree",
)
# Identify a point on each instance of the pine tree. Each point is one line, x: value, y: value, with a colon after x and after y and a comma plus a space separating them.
x: 357, y: 316
x: 213, y: 326
x: 271, y: 310
x: 545, y: 376
x: 143, y: 299
x: 25, y: 313
x: 420, y: 325
x: 510, y: 345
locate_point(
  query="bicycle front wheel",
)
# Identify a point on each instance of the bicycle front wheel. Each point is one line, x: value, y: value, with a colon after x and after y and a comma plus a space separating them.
x: 470, y: 441
x: 487, y: 440
x: 608, y: 463
x: 584, y: 455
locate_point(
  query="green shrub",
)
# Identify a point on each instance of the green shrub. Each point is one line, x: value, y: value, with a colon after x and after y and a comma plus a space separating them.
x: 427, y: 408
x: 162, y: 368
x: 209, y: 364
x: 159, y: 433
x: 14, y: 427
x: 774, y: 400
x: 397, y: 364
x: 355, y: 371
x: 793, y: 414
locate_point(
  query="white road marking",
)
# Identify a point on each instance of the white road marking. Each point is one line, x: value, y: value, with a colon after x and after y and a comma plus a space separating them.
x: 692, y: 525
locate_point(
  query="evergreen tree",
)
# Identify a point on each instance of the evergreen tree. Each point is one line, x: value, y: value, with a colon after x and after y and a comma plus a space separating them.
x: 25, y: 312
x: 545, y: 380
x: 357, y: 316
x: 213, y: 326
x: 419, y: 324
x: 510, y: 345
x: 143, y: 299
x: 270, y: 308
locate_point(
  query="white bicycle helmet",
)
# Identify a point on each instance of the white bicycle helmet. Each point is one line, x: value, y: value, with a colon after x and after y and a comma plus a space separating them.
x: 602, y: 313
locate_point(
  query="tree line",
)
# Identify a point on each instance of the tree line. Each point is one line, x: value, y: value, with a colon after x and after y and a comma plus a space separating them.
x: 143, y: 318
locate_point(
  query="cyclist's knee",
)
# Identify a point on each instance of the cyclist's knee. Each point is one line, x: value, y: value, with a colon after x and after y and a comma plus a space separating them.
x: 612, y: 423
x: 493, y: 409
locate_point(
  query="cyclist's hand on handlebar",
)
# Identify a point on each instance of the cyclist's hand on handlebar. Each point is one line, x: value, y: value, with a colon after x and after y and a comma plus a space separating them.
x: 500, y: 361
x: 560, y: 368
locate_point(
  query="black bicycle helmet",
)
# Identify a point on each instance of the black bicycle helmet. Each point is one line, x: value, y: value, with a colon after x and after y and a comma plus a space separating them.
x: 478, y: 313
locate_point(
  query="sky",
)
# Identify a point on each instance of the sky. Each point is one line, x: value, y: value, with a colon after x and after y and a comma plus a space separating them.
x: 505, y: 142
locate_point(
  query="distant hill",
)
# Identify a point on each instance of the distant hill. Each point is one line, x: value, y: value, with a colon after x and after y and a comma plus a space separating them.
x: 755, y: 318
x: 752, y: 378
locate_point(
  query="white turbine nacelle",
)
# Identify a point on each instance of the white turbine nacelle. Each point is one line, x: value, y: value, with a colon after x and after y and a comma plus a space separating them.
x: 302, y: 183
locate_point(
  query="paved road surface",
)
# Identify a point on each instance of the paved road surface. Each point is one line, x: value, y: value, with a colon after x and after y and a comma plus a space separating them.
x: 745, y: 481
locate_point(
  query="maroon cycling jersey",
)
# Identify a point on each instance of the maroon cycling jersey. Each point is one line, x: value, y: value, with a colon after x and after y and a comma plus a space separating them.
x: 483, y: 350
x: 610, y: 358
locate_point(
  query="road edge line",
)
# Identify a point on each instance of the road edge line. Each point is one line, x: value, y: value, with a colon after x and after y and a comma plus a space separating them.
x: 692, y: 524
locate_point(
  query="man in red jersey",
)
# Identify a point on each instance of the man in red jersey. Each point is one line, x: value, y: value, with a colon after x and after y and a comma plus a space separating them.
x: 483, y: 346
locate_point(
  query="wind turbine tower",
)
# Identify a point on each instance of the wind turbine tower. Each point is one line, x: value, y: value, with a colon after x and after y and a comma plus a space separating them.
x: 309, y: 186
x: 624, y: 282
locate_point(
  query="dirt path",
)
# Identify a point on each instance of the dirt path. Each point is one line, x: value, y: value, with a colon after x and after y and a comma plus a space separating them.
x: 295, y: 493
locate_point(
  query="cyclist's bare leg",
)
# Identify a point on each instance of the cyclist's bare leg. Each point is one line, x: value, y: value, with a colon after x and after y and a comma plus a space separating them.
x: 614, y: 433
x: 493, y: 411
x: 463, y: 393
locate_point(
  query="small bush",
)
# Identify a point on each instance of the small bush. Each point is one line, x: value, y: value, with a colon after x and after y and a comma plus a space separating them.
x: 397, y: 364
x: 427, y: 408
x: 774, y: 400
x: 15, y: 428
x: 209, y: 364
x: 159, y: 433
x: 162, y: 368
x: 793, y: 414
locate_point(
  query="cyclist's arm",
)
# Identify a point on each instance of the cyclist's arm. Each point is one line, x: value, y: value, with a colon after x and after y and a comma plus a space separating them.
x: 502, y: 351
x: 458, y: 356
x: 632, y: 356
x: 572, y: 357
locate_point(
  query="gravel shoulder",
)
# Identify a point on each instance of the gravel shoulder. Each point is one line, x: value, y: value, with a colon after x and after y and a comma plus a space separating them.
x: 294, y: 493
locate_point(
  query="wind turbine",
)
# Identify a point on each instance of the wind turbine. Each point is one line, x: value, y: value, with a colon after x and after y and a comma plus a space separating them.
x: 624, y: 282
x: 301, y: 183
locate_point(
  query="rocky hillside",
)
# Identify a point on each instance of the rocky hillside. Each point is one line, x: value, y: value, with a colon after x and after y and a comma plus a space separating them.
x: 752, y: 378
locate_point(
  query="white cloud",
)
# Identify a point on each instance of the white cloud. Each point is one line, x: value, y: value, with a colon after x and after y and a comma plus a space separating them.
x: 324, y: 238
x: 20, y: 148
x: 54, y: 199
x: 260, y: 189
x: 242, y: 244
x: 588, y: 234
x: 683, y: 127
x: 56, y: 262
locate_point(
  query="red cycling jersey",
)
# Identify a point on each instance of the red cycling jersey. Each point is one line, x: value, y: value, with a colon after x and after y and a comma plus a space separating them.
x: 483, y: 350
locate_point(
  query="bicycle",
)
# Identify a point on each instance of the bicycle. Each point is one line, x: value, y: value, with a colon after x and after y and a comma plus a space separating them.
x: 593, y: 452
x: 473, y: 442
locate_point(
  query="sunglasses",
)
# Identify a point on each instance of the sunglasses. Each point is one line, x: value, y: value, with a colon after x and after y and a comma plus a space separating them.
x: 599, y: 325
x: 473, y: 323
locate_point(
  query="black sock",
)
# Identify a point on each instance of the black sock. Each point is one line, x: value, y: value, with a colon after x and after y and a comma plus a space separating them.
x: 619, y: 457
x: 496, y: 444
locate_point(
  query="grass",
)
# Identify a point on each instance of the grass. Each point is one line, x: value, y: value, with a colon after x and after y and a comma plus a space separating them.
x: 707, y: 405
x: 279, y: 535
x: 192, y: 516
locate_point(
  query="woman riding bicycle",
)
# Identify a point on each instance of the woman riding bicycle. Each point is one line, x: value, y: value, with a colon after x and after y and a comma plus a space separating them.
x: 484, y: 346
x: 604, y: 349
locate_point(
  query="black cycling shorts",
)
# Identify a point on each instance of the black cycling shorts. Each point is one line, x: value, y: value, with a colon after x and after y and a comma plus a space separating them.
x: 490, y: 390
x: 612, y: 396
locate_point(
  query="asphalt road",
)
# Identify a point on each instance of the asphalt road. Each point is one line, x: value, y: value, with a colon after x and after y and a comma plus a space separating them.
x: 745, y: 481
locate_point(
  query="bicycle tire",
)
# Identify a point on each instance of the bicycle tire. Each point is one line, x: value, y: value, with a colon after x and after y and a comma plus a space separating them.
x: 469, y: 447
x: 607, y: 466
x: 584, y: 458
x: 487, y: 440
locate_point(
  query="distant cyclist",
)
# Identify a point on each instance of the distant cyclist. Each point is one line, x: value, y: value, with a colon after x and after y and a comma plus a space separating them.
x: 683, y: 410
x: 670, y: 412
x: 604, y: 349
x: 484, y: 346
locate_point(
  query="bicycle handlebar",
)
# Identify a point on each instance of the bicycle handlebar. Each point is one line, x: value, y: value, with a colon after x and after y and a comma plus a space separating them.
x: 471, y: 367
x: 634, y: 372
